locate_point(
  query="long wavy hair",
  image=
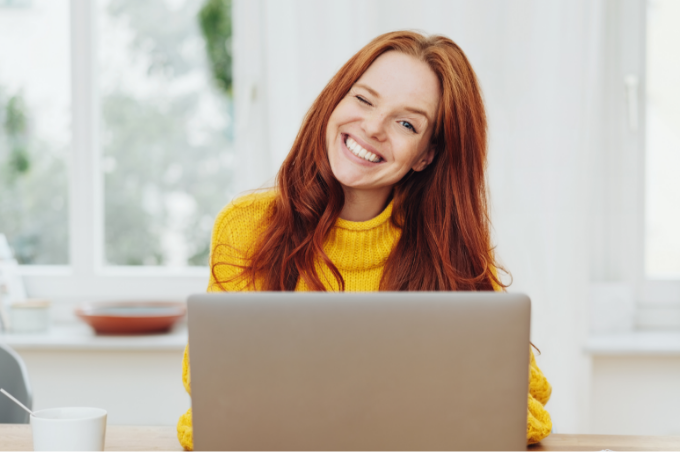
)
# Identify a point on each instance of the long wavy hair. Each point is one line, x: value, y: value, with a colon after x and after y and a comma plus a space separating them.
x: 442, y: 211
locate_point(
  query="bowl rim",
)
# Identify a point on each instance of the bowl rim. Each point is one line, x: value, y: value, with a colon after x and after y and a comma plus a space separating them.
x: 88, y: 309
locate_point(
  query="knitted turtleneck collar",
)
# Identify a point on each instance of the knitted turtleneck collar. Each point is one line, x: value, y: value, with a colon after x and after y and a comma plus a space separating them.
x: 362, y: 245
x: 384, y: 216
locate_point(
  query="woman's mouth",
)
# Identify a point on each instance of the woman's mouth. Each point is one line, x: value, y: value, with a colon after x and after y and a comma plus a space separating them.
x: 356, y: 149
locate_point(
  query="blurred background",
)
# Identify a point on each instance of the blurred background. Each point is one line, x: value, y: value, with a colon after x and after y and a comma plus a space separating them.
x: 125, y: 127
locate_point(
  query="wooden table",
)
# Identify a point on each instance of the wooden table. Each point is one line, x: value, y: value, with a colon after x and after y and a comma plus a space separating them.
x: 118, y: 437
x: 18, y: 437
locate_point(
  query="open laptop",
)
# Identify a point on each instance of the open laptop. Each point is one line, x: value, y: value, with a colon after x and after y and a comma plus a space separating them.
x: 359, y: 371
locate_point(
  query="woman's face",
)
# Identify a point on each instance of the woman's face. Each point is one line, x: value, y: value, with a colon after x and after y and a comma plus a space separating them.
x: 382, y: 127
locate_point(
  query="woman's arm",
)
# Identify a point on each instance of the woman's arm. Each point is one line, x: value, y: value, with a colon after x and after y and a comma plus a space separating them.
x: 184, y: 425
x: 235, y: 230
x: 539, y: 424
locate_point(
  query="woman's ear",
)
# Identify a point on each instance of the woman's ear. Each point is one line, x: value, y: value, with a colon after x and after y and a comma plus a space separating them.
x: 425, y: 161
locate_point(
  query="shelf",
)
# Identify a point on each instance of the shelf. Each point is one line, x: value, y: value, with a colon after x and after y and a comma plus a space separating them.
x: 78, y: 336
x: 648, y: 343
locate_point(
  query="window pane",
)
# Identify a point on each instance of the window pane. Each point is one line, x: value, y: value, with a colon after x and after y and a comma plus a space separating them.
x: 166, y: 131
x: 663, y: 140
x: 35, y: 128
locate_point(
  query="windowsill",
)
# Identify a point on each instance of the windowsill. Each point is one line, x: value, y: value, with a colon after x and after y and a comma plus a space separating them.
x: 117, y: 270
x: 635, y: 343
x: 80, y: 337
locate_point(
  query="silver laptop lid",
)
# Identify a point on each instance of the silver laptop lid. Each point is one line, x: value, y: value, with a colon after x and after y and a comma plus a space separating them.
x: 360, y: 371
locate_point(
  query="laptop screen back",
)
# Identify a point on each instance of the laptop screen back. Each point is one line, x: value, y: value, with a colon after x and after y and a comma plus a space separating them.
x: 361, y: 371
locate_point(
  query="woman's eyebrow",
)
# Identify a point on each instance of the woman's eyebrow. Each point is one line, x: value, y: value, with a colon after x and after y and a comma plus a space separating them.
x: 417, y: 111
x: 368, y: 88
x: 375, y: 93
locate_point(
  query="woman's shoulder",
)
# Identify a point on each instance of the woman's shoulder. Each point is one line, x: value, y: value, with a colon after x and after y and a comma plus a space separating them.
x: 243, y: 216
x: 252, y: 203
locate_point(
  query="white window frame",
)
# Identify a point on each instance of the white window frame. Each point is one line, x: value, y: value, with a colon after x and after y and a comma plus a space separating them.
x: 659, y: 299
x: 618, y: 207
x: 86, y: 278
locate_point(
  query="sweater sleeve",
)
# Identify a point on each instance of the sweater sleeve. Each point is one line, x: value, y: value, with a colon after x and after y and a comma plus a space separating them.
x: 184, y: 426
x: 236, y: 232
x: 236, y: 229
x: 539, y: 424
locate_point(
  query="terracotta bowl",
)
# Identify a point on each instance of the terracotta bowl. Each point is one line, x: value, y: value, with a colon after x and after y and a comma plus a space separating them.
x: 131, y: 317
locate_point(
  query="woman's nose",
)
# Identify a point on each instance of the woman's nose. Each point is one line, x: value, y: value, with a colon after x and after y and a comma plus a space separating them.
x: 374, y: 126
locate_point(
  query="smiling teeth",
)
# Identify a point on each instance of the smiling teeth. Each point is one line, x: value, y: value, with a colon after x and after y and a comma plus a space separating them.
x: 361, y: 152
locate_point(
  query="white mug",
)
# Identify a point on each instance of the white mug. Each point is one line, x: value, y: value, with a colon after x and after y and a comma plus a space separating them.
x: 30, y: 315
x: 76, y: 428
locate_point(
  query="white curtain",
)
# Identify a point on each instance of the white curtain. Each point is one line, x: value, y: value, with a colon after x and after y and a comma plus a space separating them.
x: 540, y: 65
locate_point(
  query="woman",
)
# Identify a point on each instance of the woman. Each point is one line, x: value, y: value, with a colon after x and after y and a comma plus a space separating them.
x: 384, y: 189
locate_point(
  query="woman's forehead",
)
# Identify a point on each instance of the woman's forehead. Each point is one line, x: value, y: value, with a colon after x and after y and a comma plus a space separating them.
x: 403, y: 80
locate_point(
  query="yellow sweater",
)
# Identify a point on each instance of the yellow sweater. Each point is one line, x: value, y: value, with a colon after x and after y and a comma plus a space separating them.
x: 359, y: 250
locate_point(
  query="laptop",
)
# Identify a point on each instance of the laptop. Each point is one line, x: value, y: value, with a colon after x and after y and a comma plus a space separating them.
x: 359, y: 371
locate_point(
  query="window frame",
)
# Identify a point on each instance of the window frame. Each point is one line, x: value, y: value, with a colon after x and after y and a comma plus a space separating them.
x: 86, y: 277
x: 619, y: 212
x: 659, y: 298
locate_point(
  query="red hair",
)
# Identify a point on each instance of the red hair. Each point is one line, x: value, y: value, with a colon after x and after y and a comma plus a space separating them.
x: 442, y: 211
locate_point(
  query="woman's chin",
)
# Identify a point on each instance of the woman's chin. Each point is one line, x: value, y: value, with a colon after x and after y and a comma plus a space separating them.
x: 353, y: 185
x: 349, y: 177
x: 361, y: 185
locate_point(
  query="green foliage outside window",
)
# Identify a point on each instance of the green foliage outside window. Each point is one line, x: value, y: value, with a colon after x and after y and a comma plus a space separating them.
x: 215, y: 21
x: 33, y: 186
x: 15, y: 127
x: 151, y: 161
x: 149, y: 157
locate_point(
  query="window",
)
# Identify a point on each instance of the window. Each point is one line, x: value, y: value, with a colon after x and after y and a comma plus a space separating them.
x: 35, y: 133
x: 639, y: 246
x: 662, y: 146
x: 166, y: 131
x: 164, y: 146
x: 117, y: 124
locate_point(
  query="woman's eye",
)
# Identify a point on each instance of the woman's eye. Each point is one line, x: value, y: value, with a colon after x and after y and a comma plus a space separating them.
x: 361, y: 99
x: 408, y: 125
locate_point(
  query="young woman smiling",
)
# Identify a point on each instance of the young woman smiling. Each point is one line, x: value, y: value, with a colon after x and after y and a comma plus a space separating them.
x: 383, y: 189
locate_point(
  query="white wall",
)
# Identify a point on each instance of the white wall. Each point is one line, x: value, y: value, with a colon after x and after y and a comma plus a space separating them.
x: 636, y: 395
x: 135, y: 387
